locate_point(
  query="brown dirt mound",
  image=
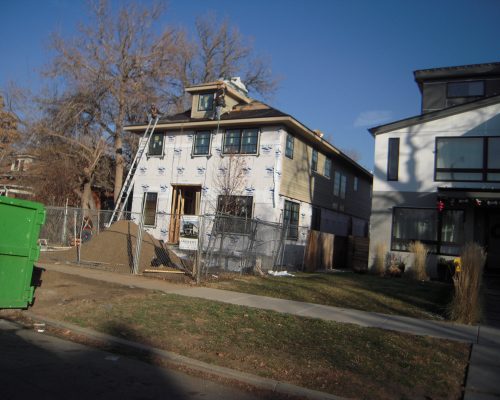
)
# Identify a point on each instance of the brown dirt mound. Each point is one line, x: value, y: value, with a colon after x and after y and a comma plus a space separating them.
x: 115, y: 247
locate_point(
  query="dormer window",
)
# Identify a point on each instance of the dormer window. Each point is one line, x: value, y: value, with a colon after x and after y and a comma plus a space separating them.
x: 465, y: 89
x: 206, y: 102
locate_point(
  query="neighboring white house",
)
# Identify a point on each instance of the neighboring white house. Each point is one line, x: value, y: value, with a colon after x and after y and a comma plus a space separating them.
x: 437, y: 175
x: 289, y: 172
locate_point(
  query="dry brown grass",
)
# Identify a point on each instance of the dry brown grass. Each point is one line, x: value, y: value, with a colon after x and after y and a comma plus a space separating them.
x: 465, y: 307
x: 378, y: 267
x: 420, y: 252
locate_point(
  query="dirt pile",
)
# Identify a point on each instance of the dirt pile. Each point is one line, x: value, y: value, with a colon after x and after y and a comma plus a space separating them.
x: 114, y: 248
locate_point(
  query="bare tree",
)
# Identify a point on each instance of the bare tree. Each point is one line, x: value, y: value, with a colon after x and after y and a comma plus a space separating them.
x: 70, y: 151
x: 229, y: 182
x: 117, y: 65
x: 9, y: 133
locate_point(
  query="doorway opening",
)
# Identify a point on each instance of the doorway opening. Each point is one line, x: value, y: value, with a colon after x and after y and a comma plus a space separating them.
x: 185, y: 201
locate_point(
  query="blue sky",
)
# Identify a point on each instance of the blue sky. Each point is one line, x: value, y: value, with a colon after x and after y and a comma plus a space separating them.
x: 344, y: 65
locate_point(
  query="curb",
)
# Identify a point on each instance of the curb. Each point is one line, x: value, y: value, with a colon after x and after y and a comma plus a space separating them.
x: 222, y: 372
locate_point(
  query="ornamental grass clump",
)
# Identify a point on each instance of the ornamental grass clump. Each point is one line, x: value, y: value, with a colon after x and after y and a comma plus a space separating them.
x: 420, y: 252
x: 465, y: 307
x: 378, y: 267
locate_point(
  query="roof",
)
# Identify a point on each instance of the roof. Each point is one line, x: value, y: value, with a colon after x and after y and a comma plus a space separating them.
x: 434, y: 115
x: 457, y: 72
x: 253, y: 113
x: 238, y: 113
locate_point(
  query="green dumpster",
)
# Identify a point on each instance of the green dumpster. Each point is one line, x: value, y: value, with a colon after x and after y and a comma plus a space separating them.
x: 20, y: 223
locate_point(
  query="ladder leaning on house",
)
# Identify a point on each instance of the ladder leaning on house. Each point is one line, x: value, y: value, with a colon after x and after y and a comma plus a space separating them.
x: 129, y: 180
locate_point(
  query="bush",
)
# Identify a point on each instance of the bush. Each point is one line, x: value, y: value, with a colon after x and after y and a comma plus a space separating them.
x: 378, y: 267
x: 420, y: 252
x: 467, y: 281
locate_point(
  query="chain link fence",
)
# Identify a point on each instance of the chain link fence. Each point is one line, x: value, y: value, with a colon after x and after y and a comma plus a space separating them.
x: 205, y: 245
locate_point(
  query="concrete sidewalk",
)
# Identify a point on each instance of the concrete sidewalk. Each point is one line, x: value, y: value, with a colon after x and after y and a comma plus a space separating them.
x: 484, y: 368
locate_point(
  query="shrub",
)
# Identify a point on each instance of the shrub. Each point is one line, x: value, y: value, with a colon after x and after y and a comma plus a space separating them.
x: 467, y: 281
x: 378, y: 267
x: 420, y: 252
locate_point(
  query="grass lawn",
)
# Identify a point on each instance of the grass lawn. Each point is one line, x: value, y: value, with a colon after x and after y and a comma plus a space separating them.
x: 399, y: 296
x: 342, y: 359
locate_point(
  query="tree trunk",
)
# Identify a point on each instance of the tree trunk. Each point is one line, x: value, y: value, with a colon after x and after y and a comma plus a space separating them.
x: 86, y: 199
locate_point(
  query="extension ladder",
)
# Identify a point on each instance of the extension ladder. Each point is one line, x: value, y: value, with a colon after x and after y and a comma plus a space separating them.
x: 129, y: 180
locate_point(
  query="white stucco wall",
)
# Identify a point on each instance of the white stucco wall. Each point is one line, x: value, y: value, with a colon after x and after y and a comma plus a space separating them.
x: 417, y: 148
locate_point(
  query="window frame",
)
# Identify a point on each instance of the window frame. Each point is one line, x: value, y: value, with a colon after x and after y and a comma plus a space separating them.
x: 327, y: 172
x: 144, y: 210
x: 484, y: 170
x: 456, y: 83
x: 435, y: 246
x: 336, y: 183
x: 314, y: 160
x: 393, y: 159
x: 195, y: 136
x: 240, y: 143
x: 292, y: 232
x: 289, y: 139
x: 151, y: 142
x: 211, y: 103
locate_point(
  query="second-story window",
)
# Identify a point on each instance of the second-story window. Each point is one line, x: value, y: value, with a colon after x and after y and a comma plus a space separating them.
x: 336, y: 183
x: 241, y: 141
x: 206, y: 102
x: 343, y: 186
x: 393, y: 159
x: 291, y: 219
x: 465, y: 89
x: 314, y: 160
x: 289, y: 146
x: 201, y: 143
x: 355, y: 187
x: 156, y: 145
x: 328, y: 167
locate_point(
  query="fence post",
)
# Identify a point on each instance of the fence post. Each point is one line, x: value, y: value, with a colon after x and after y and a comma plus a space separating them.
x: 65, y: 221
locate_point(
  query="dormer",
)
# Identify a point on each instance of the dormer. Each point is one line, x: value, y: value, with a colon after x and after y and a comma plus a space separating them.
x: 450, y: 86
x: 207, y: 95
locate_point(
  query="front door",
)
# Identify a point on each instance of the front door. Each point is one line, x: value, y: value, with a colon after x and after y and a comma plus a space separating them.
x: 185, y: 201
x: 493, y: 240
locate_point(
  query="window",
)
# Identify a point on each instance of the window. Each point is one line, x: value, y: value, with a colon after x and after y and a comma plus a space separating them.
x: 411, y: 224
x: 328, y: 167
x: 156, y: 145
x: 336, y: 184
x: 149, y: 204
x: 236, y: 214
x: 241, y: 141
x: 201, y: 143
x: 467, y: 159
x: 393, y: 159
x: 314, y: 160
x: 339, y: 185
x: 316, y: 219
x: 289, y: 146
x: 442, y: 233
x: 206, y: 102
x: 465, y: 89
x: 452, y: 232
x: 343, y: 186
x: 355, y: 187
x: 291, y: 219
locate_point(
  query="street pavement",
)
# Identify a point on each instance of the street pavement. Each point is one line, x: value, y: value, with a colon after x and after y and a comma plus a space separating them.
x: 35, y: 365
